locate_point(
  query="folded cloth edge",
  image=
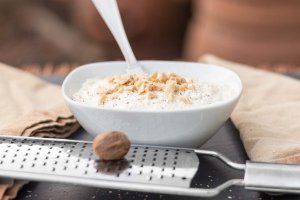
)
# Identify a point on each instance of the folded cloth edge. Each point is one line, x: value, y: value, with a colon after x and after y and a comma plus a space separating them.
x: 266, y: 150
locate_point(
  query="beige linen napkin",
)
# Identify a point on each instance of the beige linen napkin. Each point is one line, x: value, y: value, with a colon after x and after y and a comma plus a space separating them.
x: 268, y: 113
x: 30, y: 107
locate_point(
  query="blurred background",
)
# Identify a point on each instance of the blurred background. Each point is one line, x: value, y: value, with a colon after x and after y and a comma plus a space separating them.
x: 54, y: 36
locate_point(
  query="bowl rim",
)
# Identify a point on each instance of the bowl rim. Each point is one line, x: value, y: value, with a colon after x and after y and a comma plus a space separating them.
x: 217, y: 104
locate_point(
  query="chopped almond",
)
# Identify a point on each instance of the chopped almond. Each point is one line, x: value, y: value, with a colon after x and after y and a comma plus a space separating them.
x: 142, y: 89
x: 102, y: 99
x: 152, y: 95
x: 102, y: 90
x: 162, y: 78
x: 171, y: 97
x: 110, y: 79
x: 131, y: 88
x: 122, y: 79
x: 120, y: 89
x: 183, y: 81
x: 185, y: 100
x: 153, y: 76
x: 138, y: 84
x: 183, y: 87
x: 109, y: 89
x: 151, y: 87
x: 170, y: 86
x: 113, y: 97
x: 172, y: 74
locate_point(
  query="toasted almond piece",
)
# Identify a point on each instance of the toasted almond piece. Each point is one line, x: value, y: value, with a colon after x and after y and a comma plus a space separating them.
x: 162, y: 78
x: 138, y: 83
x: 110, y: 79
x: 170, y: 81
x: 120, y: 89
x: 102, y: 99
x: 153, y: 76
x: 122, y: 79
x: 172, y: 74
x: 173, y: 78
x: 183, y: 80
x: 130, y: 88
x: 141, y: 89
x: 151, y: 95
x: 170, y: 87
x: 114, y: 88
x: 107, y: 89
x: 185, y: 100
x: 158, y: 86
x: 129, y: 83
x: 151, y: 87
x: 147, y: 88
x: 183, y: 87
x: 113, y: 97
x: 178, y: 80
x: 171, y: 97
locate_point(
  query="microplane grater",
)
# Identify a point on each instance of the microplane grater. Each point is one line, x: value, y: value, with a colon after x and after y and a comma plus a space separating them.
x: 162, y: 170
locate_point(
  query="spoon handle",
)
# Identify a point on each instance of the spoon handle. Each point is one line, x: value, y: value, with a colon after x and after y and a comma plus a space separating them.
x: 110, y: 13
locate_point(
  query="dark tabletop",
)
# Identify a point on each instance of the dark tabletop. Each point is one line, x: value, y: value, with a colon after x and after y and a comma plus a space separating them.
x: 211, y: 173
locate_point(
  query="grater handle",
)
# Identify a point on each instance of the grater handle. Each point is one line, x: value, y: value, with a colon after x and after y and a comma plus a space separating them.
x: 282, y: 178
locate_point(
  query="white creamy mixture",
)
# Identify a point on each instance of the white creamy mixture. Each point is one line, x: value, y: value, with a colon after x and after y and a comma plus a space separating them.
x: 203, y: 93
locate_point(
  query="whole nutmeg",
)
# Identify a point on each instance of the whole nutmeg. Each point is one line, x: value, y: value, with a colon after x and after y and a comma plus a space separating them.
x: 112, y: 145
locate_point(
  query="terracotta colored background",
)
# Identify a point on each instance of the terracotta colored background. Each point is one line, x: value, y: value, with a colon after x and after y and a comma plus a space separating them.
x: 249, y: 31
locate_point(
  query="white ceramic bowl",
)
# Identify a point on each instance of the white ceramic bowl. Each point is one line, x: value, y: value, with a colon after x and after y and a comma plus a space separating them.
x: 182, y: 128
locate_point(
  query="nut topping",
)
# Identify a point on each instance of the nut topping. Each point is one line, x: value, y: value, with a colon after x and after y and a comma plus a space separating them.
x: 122, y: 79
x: 185, y: 100
x: 151, y: 95
x: 102, y: 99
x: 170, y: 84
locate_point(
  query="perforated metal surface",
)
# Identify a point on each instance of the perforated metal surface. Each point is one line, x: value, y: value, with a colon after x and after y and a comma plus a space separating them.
x: 73, y: 161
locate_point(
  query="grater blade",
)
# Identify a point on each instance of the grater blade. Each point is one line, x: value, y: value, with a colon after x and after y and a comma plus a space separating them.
x: 73, y: 162
x: 162, y: 170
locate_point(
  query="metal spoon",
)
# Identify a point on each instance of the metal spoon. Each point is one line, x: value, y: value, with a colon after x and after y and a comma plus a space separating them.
x: 110, y: 13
